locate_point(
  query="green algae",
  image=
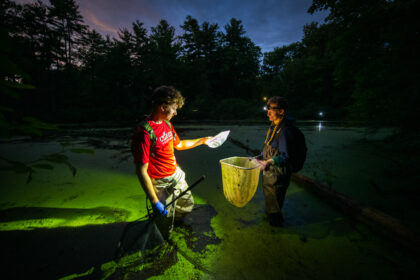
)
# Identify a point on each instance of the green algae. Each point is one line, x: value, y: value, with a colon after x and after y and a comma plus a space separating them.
x: 177, y: 259
x: 184, y: 269
x: 75, y: 276
x: 316, y: 243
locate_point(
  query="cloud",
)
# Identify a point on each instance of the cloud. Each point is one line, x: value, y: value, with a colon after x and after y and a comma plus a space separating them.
x: 266, y: 22
x: 98, y: 25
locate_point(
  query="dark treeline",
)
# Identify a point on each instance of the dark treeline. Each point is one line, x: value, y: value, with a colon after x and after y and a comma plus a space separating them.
x: 361, y: 64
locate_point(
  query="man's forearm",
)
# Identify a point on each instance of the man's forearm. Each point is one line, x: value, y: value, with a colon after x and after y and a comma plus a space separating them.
x: 146, y: 183
x: 189, y: 144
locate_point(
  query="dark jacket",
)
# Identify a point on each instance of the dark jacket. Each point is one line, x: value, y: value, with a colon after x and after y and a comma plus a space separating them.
x: 296, y: 145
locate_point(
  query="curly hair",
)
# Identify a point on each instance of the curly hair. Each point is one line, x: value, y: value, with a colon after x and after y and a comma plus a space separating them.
x: 280, y: 101
x: 167, y: 95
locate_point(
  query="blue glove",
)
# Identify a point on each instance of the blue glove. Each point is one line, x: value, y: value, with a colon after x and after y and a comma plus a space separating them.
x: 161, y: 208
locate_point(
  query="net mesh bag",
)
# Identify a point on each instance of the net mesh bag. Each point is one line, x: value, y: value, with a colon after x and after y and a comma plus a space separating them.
x: 240, y: 178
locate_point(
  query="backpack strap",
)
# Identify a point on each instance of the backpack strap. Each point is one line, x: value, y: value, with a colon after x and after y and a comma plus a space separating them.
x: 150, y: 131
x: 170, y: 127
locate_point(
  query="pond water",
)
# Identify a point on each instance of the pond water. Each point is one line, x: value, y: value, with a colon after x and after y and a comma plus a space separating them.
x: 317, y: 242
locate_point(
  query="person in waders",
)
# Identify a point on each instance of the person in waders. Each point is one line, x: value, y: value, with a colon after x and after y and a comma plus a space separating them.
x: 152, y: 147
x: 275, y: 163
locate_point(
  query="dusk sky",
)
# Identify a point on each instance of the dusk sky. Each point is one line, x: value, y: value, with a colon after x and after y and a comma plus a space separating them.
x: 269, y: 23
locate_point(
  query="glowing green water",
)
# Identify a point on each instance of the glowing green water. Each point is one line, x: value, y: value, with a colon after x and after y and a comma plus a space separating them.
x: 80, y: 219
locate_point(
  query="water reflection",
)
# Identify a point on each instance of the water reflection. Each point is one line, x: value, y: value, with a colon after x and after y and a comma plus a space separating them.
x: 319, y: 127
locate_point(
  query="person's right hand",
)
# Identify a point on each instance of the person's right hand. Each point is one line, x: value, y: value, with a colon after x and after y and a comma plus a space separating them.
x: 161, y: 208
x: 264, y: 164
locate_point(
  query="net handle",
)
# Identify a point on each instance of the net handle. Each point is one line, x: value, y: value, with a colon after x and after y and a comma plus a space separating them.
x: 189, y: 188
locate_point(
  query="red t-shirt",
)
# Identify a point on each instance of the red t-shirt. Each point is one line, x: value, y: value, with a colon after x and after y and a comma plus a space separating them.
x: 161, y: 158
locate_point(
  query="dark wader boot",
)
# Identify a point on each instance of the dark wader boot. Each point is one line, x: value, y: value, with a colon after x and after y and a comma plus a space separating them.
x: 275, y: 183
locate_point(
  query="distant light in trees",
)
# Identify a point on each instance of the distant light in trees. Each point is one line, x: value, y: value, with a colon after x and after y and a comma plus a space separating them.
x: 14, y: 79
x: 321, y: 114
x: 265, y: 98
x: 265, y: 108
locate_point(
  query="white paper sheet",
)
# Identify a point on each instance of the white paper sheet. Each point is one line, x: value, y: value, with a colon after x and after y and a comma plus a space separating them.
x: 218, y: 140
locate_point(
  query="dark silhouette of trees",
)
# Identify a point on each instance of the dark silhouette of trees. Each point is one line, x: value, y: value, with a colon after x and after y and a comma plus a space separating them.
x: 200, y: 45
x: 360, y: 64
x: 375, y: 55
x: 164, y: 49
x: 67, y: 23
x: 302, y: 72
x: 240, y: 65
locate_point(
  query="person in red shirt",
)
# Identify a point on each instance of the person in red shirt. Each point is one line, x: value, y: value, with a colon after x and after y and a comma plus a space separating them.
x: 156, y: 167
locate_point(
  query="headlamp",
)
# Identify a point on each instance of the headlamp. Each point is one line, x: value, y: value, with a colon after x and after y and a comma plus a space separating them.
x: 268, y: 107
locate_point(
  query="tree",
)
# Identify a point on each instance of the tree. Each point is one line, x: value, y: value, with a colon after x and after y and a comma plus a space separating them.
x: 68, y: 23
x: 239, y: 61
x: 276, y: 71
x: 199, y: 42
x: 375, y: 53
x: 199, y: 58
x: 164, y: 50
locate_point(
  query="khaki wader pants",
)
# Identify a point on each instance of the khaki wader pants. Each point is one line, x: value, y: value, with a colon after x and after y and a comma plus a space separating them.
x: 275, y: 182
x: 167, y: 189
